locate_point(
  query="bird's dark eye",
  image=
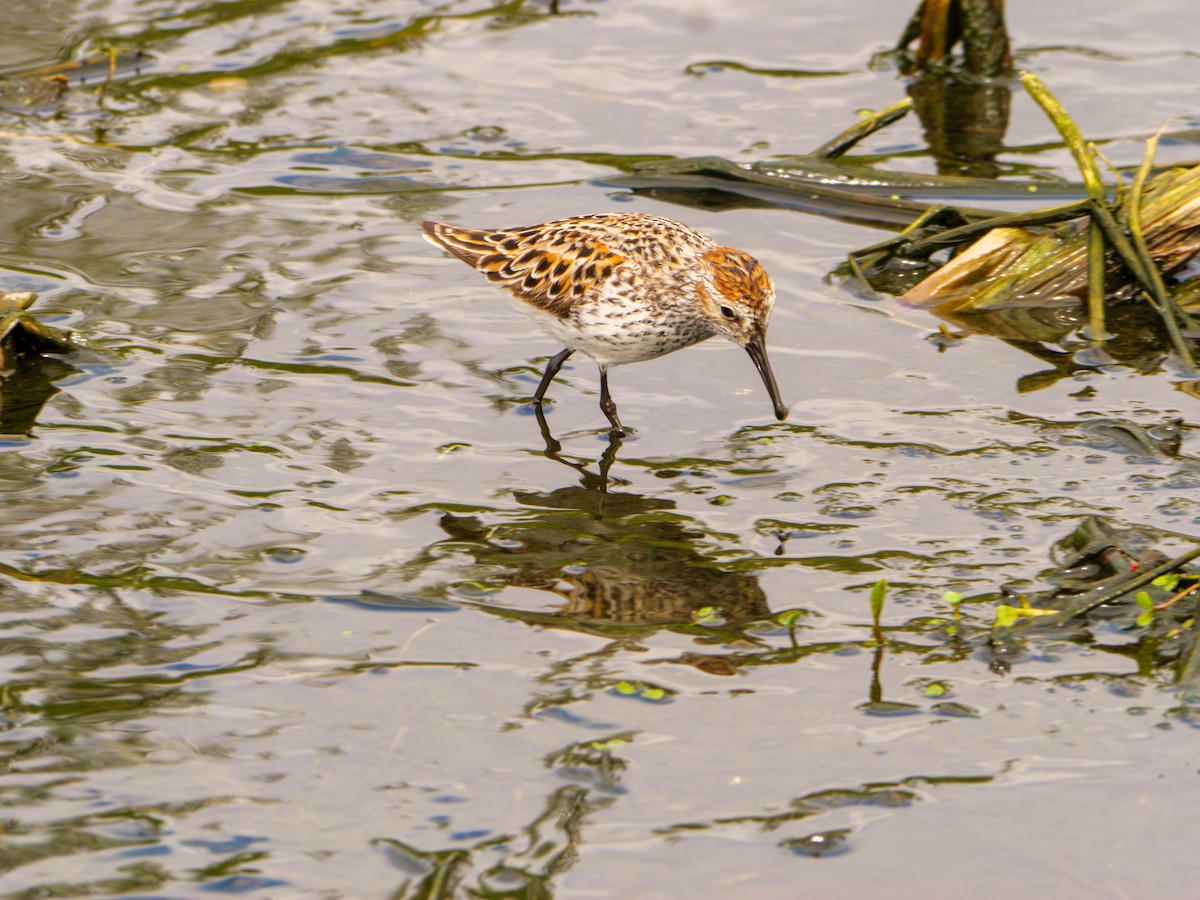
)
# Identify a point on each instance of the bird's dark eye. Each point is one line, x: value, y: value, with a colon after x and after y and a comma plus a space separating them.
x: 728, y: 313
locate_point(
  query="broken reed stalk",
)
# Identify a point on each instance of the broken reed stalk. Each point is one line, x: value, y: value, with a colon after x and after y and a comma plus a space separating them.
x: 1172, y: 311
x: 936, y: 39
x: 1139, y: 263
x: 978, y: 25
x: 1096, y: 329
x: 1070, y: 134
x: 986, y: 44
x: 112, y: 72
x: 837, y: 146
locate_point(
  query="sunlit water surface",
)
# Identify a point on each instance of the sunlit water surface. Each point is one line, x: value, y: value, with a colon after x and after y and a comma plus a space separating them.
x: 299, y: 601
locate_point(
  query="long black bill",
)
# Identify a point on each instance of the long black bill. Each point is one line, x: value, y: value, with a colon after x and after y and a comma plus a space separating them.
x: 757, y: 348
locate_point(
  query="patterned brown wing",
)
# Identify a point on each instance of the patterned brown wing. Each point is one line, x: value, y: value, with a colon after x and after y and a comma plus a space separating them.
x: 549, y: 266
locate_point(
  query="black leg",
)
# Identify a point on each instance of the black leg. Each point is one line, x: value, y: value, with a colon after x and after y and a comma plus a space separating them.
x: 553, y: 447
x: 606, y: 404
x: 552, y: 367
x: 596, y: 483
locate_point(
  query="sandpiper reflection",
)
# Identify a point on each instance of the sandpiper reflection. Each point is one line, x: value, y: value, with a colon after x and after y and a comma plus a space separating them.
x: 613, y: 556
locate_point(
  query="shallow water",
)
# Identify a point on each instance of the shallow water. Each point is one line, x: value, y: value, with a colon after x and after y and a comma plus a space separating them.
x: 299, y: 601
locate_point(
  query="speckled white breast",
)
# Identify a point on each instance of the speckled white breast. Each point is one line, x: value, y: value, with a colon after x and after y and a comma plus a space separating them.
x: 619, y: 330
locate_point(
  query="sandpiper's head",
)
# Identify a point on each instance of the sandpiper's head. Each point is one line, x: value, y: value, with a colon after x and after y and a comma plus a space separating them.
x: 736, y: 297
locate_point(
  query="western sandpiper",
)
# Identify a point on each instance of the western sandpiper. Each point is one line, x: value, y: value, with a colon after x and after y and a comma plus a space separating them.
x: 622, y: 288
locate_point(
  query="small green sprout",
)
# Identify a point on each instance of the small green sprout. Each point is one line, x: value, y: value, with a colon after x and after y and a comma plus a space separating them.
x: 1146, y: 602
x: 954, y: 598
x: 878, y: 593
x: 1168, y: 582
x: 788, y: 619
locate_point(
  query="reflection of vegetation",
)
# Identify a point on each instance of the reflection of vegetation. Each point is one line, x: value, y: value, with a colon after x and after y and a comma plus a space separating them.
x: 963, y: 101
x: 74, y: 705
x: 431, y: 874
x: 43, y: 89
x: 346, y: 42
x: 829, y: 801
x: 26, y: 376
x: 127, y: 828
x: 529, y: 861
x: 720, y: 65
x: 1138, y: 343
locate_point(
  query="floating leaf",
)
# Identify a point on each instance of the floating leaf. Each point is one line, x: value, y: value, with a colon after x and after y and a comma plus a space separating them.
x: 610, y: 744
x: 1006, y: 616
